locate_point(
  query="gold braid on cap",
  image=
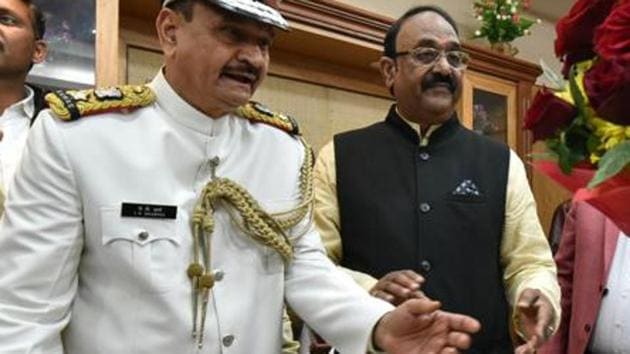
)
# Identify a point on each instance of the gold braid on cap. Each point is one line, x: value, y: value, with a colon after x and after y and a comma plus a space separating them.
x: 73, y: 104
x: 269, y: 229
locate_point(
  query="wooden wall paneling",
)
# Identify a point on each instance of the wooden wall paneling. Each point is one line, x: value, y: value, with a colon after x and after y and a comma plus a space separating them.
x: 107, y: 42
x: 547, y: 193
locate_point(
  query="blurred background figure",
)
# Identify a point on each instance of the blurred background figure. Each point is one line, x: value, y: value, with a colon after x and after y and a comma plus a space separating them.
x: 594, y: 272
x: 22, y: 28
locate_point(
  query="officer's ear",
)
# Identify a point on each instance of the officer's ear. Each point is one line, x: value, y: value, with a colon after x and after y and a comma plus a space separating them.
x: 166, y: 25
x: 388, y: 71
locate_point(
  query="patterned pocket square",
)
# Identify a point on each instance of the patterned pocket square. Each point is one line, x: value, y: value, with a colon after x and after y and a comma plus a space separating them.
x: 467, y: 188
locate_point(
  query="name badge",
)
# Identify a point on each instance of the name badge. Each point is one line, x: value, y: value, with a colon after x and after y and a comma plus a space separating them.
x: 152, y: 211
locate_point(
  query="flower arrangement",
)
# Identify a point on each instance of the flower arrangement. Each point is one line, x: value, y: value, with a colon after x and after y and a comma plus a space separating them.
x: 501, y: 20
x: 584, y: 117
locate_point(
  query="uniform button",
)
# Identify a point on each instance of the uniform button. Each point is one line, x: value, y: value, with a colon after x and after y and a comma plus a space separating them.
x: 228, y: 340
x: 143, y: 235
x: 218, y: 275
x: 587, y: 327
x: 425, y: 207
x: 605, y: 292
x: 424, y: 156
x: 425, y: 265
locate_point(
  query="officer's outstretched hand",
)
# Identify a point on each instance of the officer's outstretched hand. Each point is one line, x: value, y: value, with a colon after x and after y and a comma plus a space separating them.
x: 418, y: 327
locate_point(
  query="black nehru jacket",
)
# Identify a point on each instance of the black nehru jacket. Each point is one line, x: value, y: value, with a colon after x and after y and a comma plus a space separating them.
x: 438, y: 210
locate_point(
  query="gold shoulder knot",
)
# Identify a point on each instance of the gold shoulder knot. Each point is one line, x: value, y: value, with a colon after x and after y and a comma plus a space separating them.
x: 73, y: 104
x: 257, y: 112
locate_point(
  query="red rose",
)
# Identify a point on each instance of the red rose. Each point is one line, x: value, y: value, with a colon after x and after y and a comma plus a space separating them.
x: 547, y: 114
x: 607, y: 85
x: 575, y: 31
x: 612, y: 38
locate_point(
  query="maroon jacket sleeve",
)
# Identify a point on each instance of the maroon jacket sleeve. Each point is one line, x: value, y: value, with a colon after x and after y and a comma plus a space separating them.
x: 564, y: 258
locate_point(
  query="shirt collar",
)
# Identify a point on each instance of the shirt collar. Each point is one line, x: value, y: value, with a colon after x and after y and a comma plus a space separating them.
x: 181, y: 111
x: 26, y: 105
x: 424, y: 138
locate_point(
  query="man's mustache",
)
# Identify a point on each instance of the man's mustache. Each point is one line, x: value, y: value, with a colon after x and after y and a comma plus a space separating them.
x: 433, y: 80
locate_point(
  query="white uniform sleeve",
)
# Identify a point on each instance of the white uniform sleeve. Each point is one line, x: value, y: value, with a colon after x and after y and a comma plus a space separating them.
x: 328, y: 300
x: 41, y: 241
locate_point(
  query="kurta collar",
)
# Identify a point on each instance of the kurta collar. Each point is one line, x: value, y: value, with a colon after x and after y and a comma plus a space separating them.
x: 182, y: 112
x: 434, y: 136
x: 26, y: 105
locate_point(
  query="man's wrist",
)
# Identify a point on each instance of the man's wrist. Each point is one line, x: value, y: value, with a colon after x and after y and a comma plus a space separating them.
x: 375, y: 342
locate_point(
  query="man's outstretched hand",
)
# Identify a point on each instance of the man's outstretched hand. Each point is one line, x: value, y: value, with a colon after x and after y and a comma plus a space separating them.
x: 396, y: 287
x: 535, y: 319
x: 418, y: 327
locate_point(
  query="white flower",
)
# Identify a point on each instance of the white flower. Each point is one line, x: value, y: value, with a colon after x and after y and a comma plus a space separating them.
x: 539, y: 21
x: 477, y: 33
x: 527, y: 32
x: 508, y: 2
x: 479, y: 17
x: 513, y: 10
x: 498, y: 17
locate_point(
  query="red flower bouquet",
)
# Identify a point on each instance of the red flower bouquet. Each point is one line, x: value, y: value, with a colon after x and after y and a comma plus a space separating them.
x: 585, y: 120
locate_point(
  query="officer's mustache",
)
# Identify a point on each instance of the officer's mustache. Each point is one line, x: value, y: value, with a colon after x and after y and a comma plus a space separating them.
x: 244, y: 72
x: 435, y: 79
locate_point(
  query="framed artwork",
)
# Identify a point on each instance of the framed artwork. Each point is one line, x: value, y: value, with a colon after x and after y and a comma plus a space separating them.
x: 489, y: 107
x: 70, y: 33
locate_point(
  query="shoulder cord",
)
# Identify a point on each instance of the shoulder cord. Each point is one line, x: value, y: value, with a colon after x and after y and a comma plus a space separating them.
x: 132, y: 96
x: 268, y: 229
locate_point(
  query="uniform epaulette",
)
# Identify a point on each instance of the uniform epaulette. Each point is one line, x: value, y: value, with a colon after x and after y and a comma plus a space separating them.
x: 257, y: 112
x: 73, y: 104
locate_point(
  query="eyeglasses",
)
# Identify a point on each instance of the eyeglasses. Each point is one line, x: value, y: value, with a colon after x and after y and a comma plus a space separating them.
x: 429, y: 56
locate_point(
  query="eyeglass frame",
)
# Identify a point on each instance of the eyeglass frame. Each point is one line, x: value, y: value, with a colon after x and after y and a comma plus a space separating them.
x: 442, y: 53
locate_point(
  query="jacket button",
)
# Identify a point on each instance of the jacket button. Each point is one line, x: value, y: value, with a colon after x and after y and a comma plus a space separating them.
x: 587, y: 327
x: 425, y: 207
x: 425, y: 265
x: 605, y: 292
x: 424, y: 156
x: 228, y: 340
x: 143, y: 235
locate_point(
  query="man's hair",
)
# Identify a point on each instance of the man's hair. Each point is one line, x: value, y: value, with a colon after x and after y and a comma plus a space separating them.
x: 38, y: 21
x: 389, y: 45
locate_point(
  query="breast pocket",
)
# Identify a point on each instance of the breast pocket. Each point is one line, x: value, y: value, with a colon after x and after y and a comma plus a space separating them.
x: 150, y: 249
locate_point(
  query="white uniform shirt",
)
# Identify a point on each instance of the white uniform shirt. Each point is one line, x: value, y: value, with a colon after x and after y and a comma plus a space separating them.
x: 70, y: 261
x: 14, y: 123
x: 612, y: 329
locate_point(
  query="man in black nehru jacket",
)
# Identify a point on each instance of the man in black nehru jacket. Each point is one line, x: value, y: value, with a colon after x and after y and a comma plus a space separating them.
x: 418, y: 205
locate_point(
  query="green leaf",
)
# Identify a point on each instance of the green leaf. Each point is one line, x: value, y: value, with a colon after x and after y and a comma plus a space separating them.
x: 593, y: 143
x: 611, y: 163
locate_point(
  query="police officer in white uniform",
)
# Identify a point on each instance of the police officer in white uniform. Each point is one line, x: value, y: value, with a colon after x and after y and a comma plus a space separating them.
x: 175, y: 219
